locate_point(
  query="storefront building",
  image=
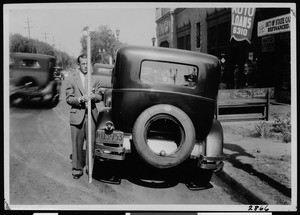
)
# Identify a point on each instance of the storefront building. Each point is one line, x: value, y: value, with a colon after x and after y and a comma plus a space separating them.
x: 264, y: 61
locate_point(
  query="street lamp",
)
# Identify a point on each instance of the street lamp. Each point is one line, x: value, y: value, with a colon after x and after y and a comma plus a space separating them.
x: 153, y: 41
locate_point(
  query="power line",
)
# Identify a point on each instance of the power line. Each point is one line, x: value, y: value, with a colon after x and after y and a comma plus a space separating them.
x: 28, y: 27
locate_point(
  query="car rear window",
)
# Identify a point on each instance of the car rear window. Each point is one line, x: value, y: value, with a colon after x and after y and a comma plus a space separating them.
x: 27, y: 63
x: 155, y: 72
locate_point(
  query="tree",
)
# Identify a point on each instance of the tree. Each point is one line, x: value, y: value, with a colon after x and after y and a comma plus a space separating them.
x: 64, y: 60
x: 102, y: 44
x: 18, y: 43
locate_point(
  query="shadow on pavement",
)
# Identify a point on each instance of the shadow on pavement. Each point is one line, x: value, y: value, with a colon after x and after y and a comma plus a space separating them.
x: 232, y: 158
x: 33, y: 104
x: 236, y: 148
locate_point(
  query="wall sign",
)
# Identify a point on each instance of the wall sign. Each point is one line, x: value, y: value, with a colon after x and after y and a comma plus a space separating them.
x: 242, y: 20
x: 274, y: 25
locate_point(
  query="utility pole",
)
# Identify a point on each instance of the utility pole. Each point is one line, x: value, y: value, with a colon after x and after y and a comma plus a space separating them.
x: 53, y: 42
x: 28, y: 26
x: 45, y: 36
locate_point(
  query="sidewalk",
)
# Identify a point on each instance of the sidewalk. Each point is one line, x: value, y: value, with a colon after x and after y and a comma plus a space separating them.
x: 258, y: 168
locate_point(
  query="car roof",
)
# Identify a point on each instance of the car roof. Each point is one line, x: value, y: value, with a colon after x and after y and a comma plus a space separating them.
x: 163, y: 53
x: 32, y: 56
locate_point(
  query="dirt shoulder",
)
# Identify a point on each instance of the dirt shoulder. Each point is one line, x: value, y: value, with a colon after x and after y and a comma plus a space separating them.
x: 261, y: 165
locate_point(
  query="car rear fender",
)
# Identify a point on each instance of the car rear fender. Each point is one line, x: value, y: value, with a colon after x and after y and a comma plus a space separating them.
x: 105, y: 113
x: 104, y: 117
x: 214, y: 140
x: 107, y: 97
x: 213, y: 148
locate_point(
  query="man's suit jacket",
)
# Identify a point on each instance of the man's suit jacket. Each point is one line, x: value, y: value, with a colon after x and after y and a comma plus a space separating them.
x: 75, y: 89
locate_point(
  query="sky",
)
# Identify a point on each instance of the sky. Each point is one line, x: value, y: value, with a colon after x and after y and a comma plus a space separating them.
x: 63, y: 23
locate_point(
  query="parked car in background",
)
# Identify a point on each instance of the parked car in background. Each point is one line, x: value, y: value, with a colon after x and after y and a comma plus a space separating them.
x: 32, y: 77
x: 161, y: 107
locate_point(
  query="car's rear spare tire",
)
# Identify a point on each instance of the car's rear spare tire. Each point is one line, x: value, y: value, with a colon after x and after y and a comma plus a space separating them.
x: 164, y: 136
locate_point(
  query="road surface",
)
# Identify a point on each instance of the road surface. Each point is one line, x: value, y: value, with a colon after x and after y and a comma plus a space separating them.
x: 40, y: 169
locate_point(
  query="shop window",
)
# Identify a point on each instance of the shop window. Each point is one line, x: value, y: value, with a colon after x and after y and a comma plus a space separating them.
x: 165, y: 73
x: 184, y: 37
x: 184, y: 42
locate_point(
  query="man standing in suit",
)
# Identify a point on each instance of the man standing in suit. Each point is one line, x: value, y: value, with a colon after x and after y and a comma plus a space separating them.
x: 77, y: 97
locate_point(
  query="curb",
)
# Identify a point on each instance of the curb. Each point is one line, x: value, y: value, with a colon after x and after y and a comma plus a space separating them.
x: 250, y: 196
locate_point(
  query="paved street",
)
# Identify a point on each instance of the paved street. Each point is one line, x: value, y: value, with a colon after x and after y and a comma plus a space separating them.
x: 40, y: 169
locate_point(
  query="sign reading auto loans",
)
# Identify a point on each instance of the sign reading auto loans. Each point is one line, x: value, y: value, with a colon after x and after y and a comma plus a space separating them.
x: 274, y: 25
x: 242, y: 20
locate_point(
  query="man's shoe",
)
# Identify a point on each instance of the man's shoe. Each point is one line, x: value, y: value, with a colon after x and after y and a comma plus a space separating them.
x: 77, y: 173
x: 77, y: 176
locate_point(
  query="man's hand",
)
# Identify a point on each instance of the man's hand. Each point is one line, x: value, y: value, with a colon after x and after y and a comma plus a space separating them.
x: 86, y: 97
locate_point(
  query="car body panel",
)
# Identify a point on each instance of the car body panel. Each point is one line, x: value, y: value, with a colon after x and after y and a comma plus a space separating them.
x: 138, y: 83
x: 131, y: 95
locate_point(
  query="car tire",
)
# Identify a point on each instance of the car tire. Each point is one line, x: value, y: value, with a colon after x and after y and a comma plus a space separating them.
x: 196, y: 176
x: 203, y: 177
x: 187, y: 141
x: 27, y: 79
x: 54, y: 97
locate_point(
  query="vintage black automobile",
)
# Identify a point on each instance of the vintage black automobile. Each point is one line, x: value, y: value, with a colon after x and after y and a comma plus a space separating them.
x: 161, y: 107
x: 32, y: 77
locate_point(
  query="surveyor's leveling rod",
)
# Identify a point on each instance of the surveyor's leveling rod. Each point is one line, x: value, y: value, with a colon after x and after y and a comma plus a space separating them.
x: 87, y: 31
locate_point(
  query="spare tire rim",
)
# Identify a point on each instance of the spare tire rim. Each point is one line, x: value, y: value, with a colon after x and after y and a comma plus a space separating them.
x: 164, y: 134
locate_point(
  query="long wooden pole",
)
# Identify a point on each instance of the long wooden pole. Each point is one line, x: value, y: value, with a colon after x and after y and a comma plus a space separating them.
x: 89, y: 105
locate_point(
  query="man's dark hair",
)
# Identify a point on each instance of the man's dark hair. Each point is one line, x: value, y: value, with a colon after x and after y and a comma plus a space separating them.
x: 81, y: 56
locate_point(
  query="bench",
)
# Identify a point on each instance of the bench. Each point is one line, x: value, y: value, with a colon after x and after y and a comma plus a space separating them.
x: 248, y: 101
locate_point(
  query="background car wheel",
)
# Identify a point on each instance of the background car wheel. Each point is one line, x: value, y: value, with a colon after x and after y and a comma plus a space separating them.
x: 164, y: 136
x: 53, y: 102
x: 27, y: 82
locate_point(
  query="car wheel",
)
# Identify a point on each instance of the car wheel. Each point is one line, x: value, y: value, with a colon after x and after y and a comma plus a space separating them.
x: 28, y: 82
x: 164, y: 136
x: 54, y: 97
x: 197, y: 178
x: 203, y: 177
